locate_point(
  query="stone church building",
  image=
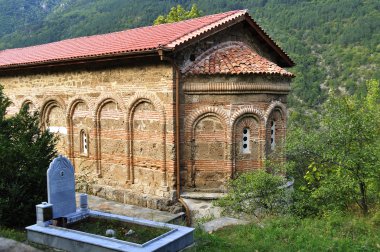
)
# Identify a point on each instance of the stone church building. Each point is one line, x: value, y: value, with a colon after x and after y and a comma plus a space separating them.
x: 149, y: 113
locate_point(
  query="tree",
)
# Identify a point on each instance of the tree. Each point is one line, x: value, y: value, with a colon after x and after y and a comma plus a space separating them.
x: 25, y: 155
x: 178, y: 14
x: 337, y: 163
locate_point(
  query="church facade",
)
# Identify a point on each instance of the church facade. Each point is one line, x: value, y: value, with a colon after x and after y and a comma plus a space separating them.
x: 149, y: 113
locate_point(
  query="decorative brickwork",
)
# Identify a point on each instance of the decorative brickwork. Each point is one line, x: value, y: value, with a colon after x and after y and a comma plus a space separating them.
x: 276, y: 105
x: 275, y: 130
x: 246, y: 110
x: 253, y: 120
x: 193, y: 118
x: 233, y: 58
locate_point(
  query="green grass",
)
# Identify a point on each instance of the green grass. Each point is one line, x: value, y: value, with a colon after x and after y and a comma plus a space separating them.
x: 99, y: 226
x: 20, y: 236
x: 14, y: 234
x: 331, y: 233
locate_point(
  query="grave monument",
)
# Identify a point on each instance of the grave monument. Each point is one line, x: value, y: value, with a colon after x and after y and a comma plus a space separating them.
x: 60, y: 210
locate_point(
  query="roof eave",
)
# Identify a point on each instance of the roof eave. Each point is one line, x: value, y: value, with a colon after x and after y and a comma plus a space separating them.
x: 84, y: 60
x: 288, y: 75
x: 269, y: 41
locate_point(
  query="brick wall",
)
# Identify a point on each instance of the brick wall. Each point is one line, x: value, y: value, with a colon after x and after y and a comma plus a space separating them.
x: 213, y: 123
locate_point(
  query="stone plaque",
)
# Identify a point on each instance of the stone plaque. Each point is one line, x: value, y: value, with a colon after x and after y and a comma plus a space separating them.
x: 61, y: 187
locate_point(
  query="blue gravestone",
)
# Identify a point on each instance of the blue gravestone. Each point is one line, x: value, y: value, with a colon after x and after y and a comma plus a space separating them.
x: 61, y: 187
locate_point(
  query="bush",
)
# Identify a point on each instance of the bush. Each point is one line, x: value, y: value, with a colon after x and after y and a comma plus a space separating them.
x: 255, y: 192
x: 25, y: 154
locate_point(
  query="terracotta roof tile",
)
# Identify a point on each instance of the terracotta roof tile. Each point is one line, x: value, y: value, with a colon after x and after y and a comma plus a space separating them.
x: 139, y: 40
x: 233, y: 58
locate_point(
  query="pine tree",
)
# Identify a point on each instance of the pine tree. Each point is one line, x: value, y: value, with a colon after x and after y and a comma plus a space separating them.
x: 25, y: 155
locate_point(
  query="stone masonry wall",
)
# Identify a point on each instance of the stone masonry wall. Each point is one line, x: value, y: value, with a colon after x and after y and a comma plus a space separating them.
x: 114, y: 123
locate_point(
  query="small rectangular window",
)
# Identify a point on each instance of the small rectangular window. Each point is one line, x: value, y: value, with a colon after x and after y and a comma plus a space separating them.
x: 83, y: 143
x: 272, y: 135
x: 245, y: 141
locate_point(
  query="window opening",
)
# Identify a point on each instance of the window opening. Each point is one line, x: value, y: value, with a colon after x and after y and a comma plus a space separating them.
x: 84, y: 142
x: 272, y: 135
x: 245, y: 142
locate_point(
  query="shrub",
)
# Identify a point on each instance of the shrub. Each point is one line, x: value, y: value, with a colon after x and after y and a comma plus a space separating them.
x: 336, y: 163
x: 255, y: 192
x: 25, y: 154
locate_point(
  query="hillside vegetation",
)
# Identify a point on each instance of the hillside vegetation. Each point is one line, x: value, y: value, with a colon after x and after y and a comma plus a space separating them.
x: 334, y: 43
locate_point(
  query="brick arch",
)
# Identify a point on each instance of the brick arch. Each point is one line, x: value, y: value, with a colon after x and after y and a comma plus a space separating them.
x: 248, y: 110
x: 14, y: 106
x: 103, y: 100
x: 99, y: 104
x: 239, y: 116
x: 55, y: 121
x: 253, y: 159
x: 47, y: 104
x: 139, y: 97
x: 199, y: 114
x: 29, y: 99
x: 134, y: 101
x: 72, y: 104
x: 280, y: 127
x: 273, y: 106
x: 74, y: 101
x: 191, y: 123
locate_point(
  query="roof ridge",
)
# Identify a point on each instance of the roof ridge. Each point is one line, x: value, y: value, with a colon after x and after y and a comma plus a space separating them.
x: 146, y: 39
x: 197, y: 18
x: 201, y: 30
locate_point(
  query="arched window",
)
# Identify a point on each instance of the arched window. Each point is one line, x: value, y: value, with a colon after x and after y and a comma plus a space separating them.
x: 272, y: 134
x: 245, y: 141
x: 83, y: 142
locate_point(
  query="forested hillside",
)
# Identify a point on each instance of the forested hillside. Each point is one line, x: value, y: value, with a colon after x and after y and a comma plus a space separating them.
x: 335, y: 43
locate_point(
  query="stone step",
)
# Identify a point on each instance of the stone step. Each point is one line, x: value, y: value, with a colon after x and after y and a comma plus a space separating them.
x: 202, y: 209
x: 202, y: 195
x: 220, y: 223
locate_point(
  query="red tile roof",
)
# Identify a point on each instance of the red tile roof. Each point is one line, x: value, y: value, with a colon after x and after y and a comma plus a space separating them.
x: 139, y: 40
x: 233, y: 58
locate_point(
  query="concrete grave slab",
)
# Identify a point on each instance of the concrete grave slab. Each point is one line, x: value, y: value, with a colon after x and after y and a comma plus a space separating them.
x: 176, y: 239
